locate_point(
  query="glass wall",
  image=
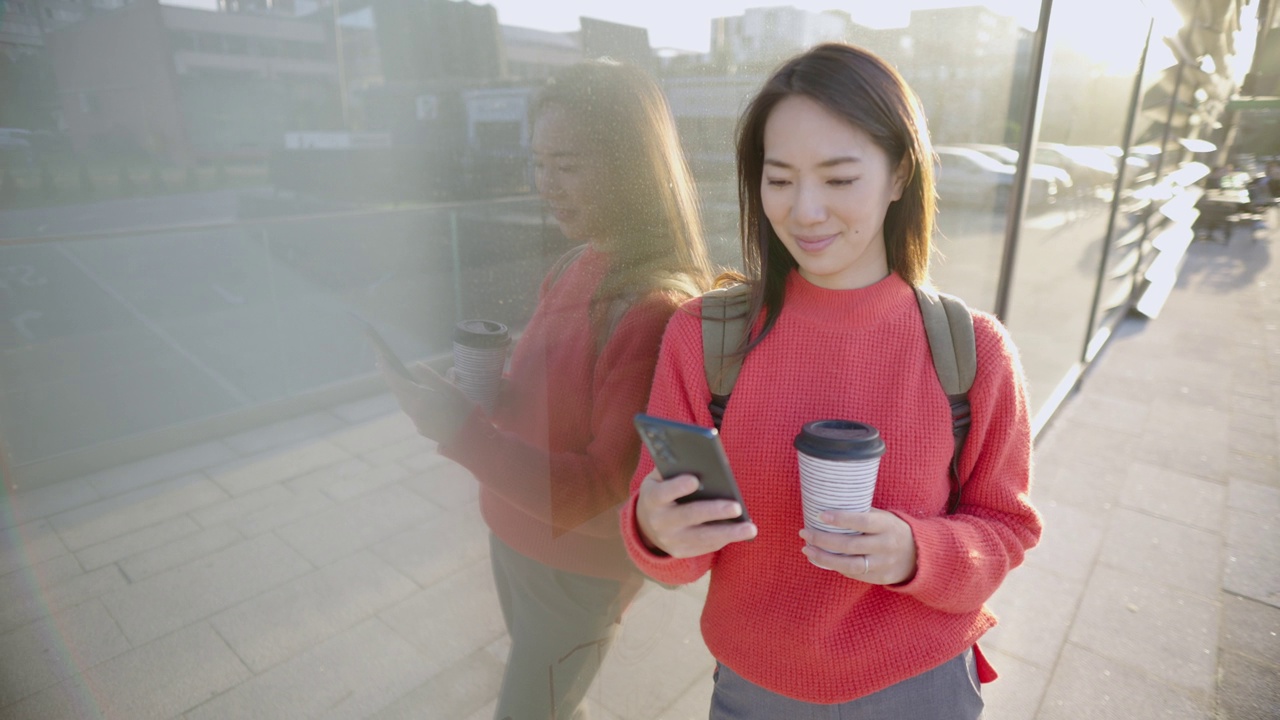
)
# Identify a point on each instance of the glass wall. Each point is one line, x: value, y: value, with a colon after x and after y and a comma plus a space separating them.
x: 205, y: 205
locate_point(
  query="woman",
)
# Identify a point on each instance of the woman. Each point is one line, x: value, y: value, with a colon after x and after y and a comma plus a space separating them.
x: 837, y: 200
x: 555, y: 457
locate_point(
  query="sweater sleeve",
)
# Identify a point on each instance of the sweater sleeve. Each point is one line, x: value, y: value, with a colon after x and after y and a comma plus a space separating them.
x: 679, y: 393
x: 963, y: 558
x: 582, y: 489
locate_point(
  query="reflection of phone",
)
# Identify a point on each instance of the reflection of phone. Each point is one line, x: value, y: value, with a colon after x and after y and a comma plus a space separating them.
x: 383, y: 349
x: 679, y: 449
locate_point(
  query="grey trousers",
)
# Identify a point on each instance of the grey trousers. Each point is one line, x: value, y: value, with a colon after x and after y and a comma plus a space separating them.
x: 947, y: 692
x: 561, y: 625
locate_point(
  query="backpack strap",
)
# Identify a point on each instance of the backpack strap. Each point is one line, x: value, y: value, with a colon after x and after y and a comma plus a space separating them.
x: 724, y: 326
x: 570, y: 257
x: 618, y: 307
x: 949, y: 327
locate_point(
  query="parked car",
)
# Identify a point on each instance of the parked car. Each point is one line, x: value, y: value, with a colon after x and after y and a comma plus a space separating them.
x: 1048, y: 183
x: 967, y: 177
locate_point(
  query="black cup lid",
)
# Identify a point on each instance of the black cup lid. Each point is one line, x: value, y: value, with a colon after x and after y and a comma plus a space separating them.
x: 839, y: 440
x: 481, y: 333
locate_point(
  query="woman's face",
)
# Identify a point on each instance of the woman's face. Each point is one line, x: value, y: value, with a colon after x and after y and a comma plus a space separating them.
x: 826, y: 188
x: 570, y: 177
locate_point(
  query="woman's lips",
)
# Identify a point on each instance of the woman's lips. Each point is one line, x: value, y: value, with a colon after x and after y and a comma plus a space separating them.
x: 814, y: 243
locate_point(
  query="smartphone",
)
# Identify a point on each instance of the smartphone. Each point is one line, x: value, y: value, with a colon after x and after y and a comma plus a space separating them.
x: 681, y: 449
x: 383, y: 348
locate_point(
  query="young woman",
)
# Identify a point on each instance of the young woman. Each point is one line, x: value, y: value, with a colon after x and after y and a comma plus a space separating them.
x: 837, y: 200
x: 555, y: 456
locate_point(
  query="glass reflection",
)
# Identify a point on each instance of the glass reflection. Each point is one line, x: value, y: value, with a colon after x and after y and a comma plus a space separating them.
x: 554, y: 456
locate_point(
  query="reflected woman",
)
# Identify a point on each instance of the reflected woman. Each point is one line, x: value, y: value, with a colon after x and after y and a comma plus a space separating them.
x: 555, y: 456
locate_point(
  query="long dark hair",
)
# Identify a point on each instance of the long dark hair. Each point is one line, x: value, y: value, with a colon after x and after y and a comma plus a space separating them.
x: 655, y: 239
x: 860, y: 87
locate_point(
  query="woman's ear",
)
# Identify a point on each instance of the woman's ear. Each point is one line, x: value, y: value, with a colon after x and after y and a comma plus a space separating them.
x: 900, y: 177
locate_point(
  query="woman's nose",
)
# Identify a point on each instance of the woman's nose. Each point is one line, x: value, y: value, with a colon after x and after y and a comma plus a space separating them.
x: 810, y: 205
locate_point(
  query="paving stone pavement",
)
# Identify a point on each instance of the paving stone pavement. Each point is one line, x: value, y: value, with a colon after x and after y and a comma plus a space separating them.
x: 334, y: 566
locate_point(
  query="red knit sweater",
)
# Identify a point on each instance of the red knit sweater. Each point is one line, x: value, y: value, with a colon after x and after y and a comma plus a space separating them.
x: 555, y: 459
x: 810, y: 633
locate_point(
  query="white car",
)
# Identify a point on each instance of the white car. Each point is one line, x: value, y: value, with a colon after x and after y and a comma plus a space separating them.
x: 1048, y: 182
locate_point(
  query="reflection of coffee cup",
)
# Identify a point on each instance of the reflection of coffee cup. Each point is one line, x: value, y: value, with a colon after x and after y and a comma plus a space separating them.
x: 479, y: 354
x: 839, y: 460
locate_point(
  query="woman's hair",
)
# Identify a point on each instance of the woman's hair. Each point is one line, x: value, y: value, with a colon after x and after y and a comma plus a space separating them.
x: 654, y: 232
x: 856, y: 85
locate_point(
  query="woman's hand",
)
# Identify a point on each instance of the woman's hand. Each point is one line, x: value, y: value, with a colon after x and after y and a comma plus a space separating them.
x: 681, y: 530
x: 884, y: 554
x: 436, y: 406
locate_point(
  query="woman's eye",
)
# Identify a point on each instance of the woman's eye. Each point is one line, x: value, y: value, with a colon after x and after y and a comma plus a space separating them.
x: 841, y: 182
x: 777, y: 182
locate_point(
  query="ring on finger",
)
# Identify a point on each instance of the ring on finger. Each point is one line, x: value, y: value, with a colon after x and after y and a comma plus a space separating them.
x: 866, y: 565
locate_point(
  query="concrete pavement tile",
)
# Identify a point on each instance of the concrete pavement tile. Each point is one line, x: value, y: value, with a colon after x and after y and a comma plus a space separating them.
x: 1253, y: 443
x: 1258, y: 534
x: 451, y: 619
x: 29, y: 544
x: 44, y: 573
x: 1110, y: 413
x: 398, y: 450
x: 1077, y: 484
x: 118, y: 548
x: 485, y: 713
x: 1177, y: 496
x: 426, y: 460
x: 356, y: 672
x: 357, y: 524
x: 458, y: 691
x: 320, y: 480
x: 694, y: 703
x: 1251, y: 384
x: 1084, y: 445
x: 21, y: 603
x: 384, y: 431
x: 274, y: 466
x: 164, y: 678
x: 43, y: 653
x: 1261, y: 407
x: 280, y: 623
x: 1035, y: 608
x: 1087, y: 686
x: 70, y: 699
x: 1069, y: 546
x: 135, y: 510
x: 1204, y: 452
x: 179, y: 552
x: 657, y: 652
x: 1017, y: 693
x: 367, y: 409
x: 1264, y: 470
x: 1164, y: 551
x: 1247, y: 689
x: 438, y: 547
x: 1171, y: 634
x: 159, y: 468
x: 1253, y: 575
x: 448, y: 485
x: 288, y: 432
x: 26, y: 506
x: 303, y: 504
x: 1244, y: 422
x: 163, y: 603
x: 364, y: 482
x: 1253, y: 497
x: 240, y: 506
x: 1251, y: 628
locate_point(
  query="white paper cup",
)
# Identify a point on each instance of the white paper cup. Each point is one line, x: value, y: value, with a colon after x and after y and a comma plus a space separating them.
x: 479, y: 356
x: 839, y: 461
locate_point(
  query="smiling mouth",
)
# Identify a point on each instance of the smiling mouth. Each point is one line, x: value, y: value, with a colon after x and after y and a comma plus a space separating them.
x: 814, y: 243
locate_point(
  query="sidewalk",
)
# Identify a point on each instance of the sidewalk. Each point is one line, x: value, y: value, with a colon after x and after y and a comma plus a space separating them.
x: 334, y: 566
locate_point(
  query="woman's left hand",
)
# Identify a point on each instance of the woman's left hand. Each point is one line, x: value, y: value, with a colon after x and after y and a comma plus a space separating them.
x: 884, y: 554
x: 436, y: 406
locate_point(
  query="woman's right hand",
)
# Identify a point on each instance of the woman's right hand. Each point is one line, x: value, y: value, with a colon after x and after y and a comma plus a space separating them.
x: 681, y: 530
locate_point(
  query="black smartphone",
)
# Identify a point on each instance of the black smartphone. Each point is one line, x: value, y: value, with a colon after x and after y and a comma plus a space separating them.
x: 679, y: 448
x: 383, y: 348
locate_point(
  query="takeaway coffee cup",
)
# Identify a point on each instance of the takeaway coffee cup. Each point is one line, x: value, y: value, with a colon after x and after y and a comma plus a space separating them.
x: 479, y: 354
x: 839, y: 460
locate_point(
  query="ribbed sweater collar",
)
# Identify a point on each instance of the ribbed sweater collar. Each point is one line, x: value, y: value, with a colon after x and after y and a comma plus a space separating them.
x: 846, y: 308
